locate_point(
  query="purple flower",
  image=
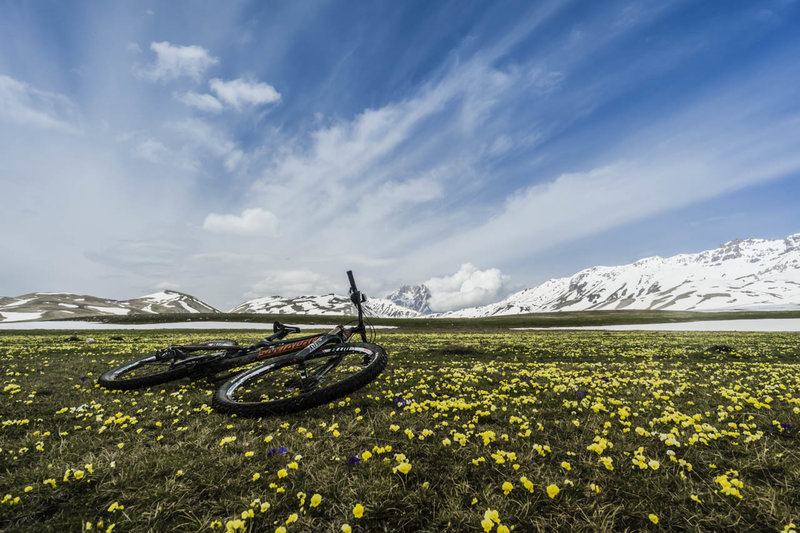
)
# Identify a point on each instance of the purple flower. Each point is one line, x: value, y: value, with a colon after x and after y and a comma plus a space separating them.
x: 282, y: 450
x: 786, y: 426
x: 271, y: 452
x: 353, y: 461
x: 83, y: 379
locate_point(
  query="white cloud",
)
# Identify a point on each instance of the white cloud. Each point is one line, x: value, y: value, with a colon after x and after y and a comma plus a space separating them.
x: 23, y: 104
x: 466, y: 288
x: 254, y: 222
x: 203, y: 102
x: 153, y: 151
x: 240, y: 92
x: 290, y: 283
x: 174, y: 61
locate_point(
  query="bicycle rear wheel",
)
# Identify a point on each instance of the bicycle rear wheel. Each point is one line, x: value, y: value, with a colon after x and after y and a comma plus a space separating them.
x: 143, y: 372
x: 280, y: 388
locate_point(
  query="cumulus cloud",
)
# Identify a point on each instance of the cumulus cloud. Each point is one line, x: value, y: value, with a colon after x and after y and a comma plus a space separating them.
x: 255, y: 222
x: 466, y: 288
x: 175, y: 61
x: 240, y: 92
x: 203, y: 102
x: 23, y: 104
x: 290, y: 283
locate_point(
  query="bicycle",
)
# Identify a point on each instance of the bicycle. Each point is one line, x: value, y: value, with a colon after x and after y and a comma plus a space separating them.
x: 296, y: 374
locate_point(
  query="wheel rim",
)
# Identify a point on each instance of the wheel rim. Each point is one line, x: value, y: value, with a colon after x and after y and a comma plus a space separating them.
x: 284, y: 381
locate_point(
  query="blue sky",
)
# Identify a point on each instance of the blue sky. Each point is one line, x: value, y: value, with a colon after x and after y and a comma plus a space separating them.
x: 240, y: 149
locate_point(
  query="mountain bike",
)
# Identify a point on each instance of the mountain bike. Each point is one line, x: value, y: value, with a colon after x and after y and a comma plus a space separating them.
x: 289, y: 375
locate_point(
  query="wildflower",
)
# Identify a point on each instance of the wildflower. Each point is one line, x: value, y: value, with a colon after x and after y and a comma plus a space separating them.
x: 282, y: 473
x: 179, y: 473
x: 566, y: 466
x: 315, y: 500
x: 507, y: 487
x: 79, y: 474
x: 358, y: 511
x: 404, y: 467
x: 292, y: 518
x: 256, y: 476
x: 346, y: 528
x: 552, y: 491
x: 653, y: 518
x: 215, y: 524
x: 487, y: 525
x: 654, y: 464
x: 249, y: 454
x: 28, y: 488
x: 227, y: 440
x: 502, y: 529
x: 115, y: 506
x: 280, y: 529
x: 265, y: 507
x: 293, y: 465
x: 50, y: 481
x: 527, y: 483
x: 353, y: 461
x: 696, y: 498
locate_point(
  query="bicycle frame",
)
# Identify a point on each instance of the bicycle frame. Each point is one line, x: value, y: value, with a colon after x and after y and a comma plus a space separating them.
x: 288, y: 351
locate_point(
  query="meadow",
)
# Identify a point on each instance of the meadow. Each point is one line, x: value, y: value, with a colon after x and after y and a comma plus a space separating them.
x: 494, y: 432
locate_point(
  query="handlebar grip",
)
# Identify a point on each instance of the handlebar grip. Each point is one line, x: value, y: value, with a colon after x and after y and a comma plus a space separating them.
x: 352, y: 281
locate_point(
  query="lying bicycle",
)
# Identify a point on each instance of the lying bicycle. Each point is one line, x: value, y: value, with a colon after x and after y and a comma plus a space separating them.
x: 296, y: 374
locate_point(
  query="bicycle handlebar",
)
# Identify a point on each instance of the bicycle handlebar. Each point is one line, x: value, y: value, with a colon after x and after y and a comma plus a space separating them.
x: 357, y: 298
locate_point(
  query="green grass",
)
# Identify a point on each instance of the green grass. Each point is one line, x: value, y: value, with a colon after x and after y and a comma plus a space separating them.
x: 539, y: 320
x: 469, y: 412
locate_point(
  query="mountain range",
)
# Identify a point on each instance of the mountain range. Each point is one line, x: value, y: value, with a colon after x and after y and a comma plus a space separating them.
x: 740, y: 274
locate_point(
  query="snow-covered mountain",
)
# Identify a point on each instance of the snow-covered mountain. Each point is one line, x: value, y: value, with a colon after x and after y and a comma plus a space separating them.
x: 327, y: 304
x: 740, y: 274
x: 55, y: 305
x: 413, y: 297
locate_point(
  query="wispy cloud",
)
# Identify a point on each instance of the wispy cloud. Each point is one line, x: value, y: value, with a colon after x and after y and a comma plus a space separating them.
x: 203, y: 102
x: 175, y: 61
x: 253, y: 222
x: 22, y: 104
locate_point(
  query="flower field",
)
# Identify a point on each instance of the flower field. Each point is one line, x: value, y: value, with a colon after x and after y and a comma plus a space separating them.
x: 462, y: 432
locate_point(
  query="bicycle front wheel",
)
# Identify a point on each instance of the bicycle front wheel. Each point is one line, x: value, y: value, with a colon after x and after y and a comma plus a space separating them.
x: 143, y: 372
x: 281, y: 387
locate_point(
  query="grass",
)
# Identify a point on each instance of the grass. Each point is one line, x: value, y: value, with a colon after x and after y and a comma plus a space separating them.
x: 487, y: 324
x: 701, y: 431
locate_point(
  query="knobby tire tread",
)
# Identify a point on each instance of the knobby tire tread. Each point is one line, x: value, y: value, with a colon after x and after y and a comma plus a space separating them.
x: 112, y: 382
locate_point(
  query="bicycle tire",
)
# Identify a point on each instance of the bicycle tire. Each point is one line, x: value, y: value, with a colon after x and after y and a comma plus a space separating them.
x: 226, y: 399
x: 119, y: 378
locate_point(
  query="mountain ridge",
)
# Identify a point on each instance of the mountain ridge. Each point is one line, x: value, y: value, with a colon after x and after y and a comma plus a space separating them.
x: 742, y: 274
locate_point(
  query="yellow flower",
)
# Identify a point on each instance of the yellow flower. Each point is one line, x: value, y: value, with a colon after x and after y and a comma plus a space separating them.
x: 293, y: 465
x: 507, y: 487
x: 487, y: 525
x: 654, y: 464
x: 653, y: 518
x: 256, y: 476
x: 502, y: 529
x: 566, y: 466
x: 358, y: 511
x: 280, y: 529
x: 265, y: 507
x: 315, y: 500
x: 179, y: 473
x: 552, y: 491
x: 404, y: 467
x: 493, y: 515
x: 292, y: 518
x: 696, y: 498
x: 114, y: 506
x: 28, y: 488
x: 282, y: 473
x: 366, y: 455
x: 249, y: 454
x: 346, y: 528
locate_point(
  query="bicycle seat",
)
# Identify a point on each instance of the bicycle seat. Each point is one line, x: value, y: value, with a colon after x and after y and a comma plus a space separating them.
x: 277, y: 327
